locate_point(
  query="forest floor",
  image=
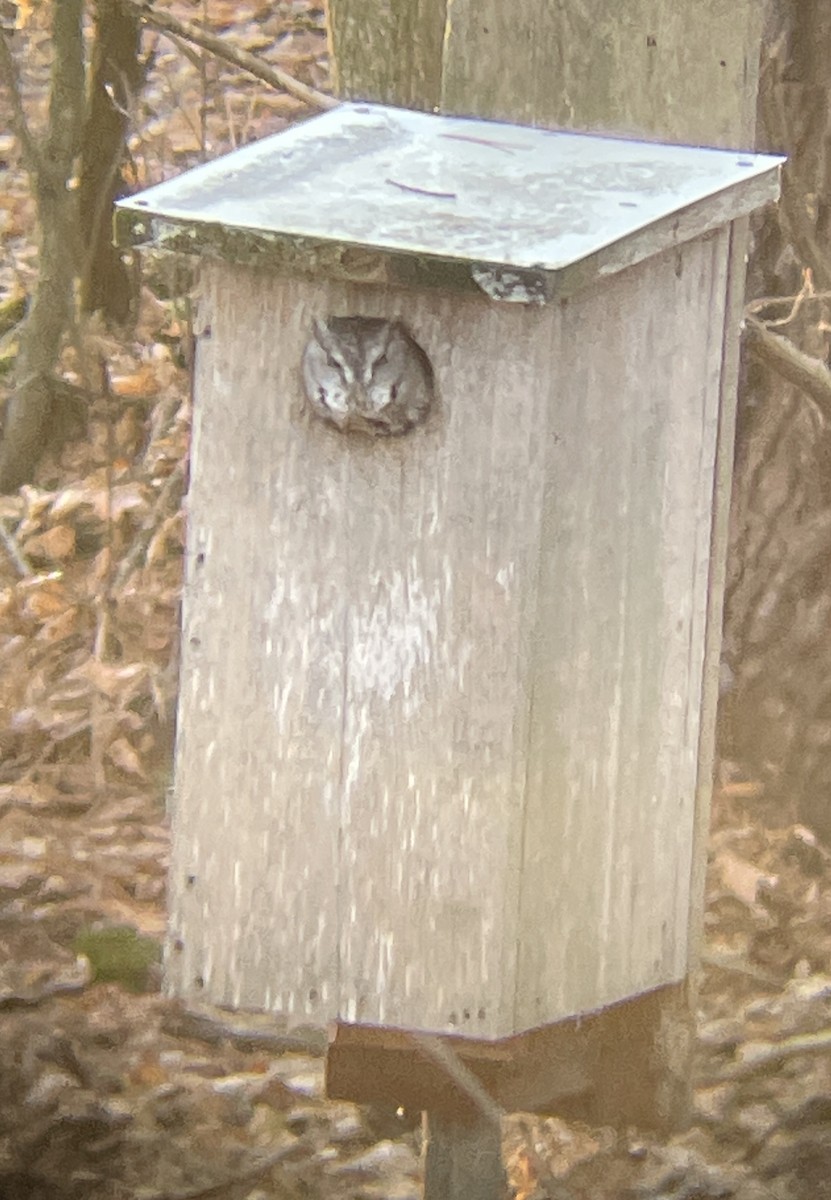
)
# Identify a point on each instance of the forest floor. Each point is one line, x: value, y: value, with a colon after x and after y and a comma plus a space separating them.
x: 108, y: 1089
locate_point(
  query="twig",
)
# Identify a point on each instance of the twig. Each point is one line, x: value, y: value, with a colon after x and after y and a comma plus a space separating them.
x: 806, y: 292
x: 772, y: 1055
x: 16, y: 555
x: 463, y: 137
x: 798, y: 368
x: 167, y: 502
x: 240, y: 58
x: 445, y: 1057
x: 101, y: 722
x: 419, y: 191
x: 240, y: 1183
x: 203, y: 93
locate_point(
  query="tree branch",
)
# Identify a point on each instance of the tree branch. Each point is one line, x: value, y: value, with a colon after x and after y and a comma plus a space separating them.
x: 798, y: 368
x: 164, y: 22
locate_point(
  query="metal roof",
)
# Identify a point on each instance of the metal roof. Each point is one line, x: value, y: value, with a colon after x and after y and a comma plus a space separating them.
x: 524, y: 213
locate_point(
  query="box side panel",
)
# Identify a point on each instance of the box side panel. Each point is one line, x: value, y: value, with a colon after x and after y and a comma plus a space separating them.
x: 619, y: 649
x: 723, y: 477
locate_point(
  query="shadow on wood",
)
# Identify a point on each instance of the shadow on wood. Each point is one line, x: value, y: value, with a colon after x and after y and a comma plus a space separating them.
x: 625, y: 1065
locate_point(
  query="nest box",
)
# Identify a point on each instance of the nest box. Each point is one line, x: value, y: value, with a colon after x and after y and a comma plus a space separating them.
x: 441, y: 760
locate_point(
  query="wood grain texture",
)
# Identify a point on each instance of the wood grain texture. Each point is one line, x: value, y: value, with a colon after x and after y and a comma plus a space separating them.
x: 625, y: 1065
x: 439, y: 705
x: 648, y: 68
x: 619, y: 641
x: 390, y: 52
x: 736, y: 269
x: 358, y: 616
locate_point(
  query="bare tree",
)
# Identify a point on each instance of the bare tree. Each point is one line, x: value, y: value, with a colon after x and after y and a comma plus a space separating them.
x: 84, y: 145
x: 776, y: 710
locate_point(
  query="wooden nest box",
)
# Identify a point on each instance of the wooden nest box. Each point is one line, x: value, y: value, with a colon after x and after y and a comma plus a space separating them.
x: 453, y: 593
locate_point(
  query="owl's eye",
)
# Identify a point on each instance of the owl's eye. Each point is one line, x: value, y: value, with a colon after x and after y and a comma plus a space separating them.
x: 381, y: 360
x: 393, y: 391
x: 332, y: 362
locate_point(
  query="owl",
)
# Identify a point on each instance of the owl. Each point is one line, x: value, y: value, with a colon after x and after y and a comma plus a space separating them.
x: 367, y: 375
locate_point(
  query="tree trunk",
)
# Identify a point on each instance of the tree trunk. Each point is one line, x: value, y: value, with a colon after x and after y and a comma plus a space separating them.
x: 390, y: 53
x: 51, y: 166
x: 116, y: 77
x: 776, y: 707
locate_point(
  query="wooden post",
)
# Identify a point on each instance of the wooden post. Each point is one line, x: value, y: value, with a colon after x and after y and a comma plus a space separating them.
x: 463, y: 1160
x: 649, y: 68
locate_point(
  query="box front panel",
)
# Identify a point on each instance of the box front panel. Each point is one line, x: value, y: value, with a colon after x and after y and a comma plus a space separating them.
x: 354, y: 698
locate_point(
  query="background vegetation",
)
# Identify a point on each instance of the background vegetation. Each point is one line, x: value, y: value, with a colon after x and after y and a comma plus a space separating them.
x: 106, y: 1089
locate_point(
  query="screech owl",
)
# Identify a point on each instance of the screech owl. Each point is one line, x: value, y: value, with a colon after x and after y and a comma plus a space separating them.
x: 368, y: 375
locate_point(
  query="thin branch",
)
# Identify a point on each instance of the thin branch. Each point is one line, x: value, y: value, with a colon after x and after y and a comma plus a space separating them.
x: 242, y: 1180
x: 769, y: 1056
x: 798, y: 368
x: 15, y: 554
x: 239, y: 58
x: 758, y: 307
x: 168, y: 501
x: 446, y: 1058
x: 20, y: 126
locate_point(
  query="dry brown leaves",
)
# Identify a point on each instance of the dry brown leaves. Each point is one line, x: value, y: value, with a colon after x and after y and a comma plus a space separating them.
x: 91, y: 553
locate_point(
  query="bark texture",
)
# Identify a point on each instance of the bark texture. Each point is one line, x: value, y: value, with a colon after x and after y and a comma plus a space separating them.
x: 776, y: 702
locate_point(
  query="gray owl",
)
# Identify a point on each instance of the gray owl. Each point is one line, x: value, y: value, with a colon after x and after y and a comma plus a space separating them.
x: 367, y: 374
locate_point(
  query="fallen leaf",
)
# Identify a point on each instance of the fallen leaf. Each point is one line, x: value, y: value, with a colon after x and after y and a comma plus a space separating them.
x: 46, y: 597
x: 123, y: 756
x: 741, y: 877
x: 57, y: 628
x: 139, y: 383
x: 56, y: 544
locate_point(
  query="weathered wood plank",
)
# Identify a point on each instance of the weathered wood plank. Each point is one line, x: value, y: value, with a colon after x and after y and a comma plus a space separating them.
x: 463, y: 1161
x: 397, y: 613
x: 722, y: 483
x: 619, y: 654
x: 649, y: 68
x: 390, y: 52
x: 627, y: 1064
x: 256, y: 815
x: 443, y: 538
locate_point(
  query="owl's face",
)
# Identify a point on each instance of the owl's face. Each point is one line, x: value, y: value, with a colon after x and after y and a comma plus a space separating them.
x: 366, y: 374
